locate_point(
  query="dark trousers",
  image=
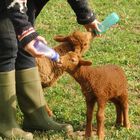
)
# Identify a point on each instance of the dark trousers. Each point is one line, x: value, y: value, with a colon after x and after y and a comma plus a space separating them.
x: 12, y: 56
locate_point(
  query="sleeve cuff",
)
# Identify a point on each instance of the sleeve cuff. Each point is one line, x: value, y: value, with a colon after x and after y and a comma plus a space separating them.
x: 87, y: 19
x: 27, y: 36
x: 28, y: 39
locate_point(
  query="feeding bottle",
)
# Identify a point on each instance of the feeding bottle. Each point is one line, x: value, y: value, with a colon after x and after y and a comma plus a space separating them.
x: 48, y: 52
x: 110, y: 20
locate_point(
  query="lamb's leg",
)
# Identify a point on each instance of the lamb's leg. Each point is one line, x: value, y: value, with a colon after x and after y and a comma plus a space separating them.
x: 124, y: 100
x: 119, y: 118
x: 119, y: 112
x: 49, y: 111
x: 89, y: 114
x: 100, y: 119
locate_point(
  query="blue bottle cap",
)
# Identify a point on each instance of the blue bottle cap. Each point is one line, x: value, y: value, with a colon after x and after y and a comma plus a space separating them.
x: 56, y: 57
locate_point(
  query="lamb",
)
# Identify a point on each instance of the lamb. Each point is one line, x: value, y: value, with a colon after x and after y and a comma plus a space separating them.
x: 99, y: 84
x: 49, y: 71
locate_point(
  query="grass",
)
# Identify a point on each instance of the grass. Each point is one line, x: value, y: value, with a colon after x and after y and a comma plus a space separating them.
x: 119, y: 45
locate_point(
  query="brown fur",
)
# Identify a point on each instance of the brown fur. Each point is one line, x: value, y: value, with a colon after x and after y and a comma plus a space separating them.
x: 99, y: 84
x: 78, y: 42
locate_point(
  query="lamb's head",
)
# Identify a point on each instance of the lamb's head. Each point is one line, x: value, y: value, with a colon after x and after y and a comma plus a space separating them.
x: 71, y: 61
x: 79, y: 40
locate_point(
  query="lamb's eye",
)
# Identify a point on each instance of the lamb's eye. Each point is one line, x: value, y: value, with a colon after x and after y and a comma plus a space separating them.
x: 73, y: 60
x: 85, y: 44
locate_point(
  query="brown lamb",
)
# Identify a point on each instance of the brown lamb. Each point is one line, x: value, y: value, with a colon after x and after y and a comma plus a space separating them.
x: 99, y: 84
x: 49, y: 71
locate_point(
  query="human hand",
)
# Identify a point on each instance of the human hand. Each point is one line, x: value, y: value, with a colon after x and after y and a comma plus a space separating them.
x: 93, y: 26
x: 30, y: 47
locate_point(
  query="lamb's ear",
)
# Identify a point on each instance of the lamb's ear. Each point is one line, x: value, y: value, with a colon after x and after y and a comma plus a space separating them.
x: 85, y: 62
x: 73, y: 40
x: 60, y: 38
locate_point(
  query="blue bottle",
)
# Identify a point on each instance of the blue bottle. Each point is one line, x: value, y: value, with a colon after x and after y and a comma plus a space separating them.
x: 48, y: 52
x: 110, y: 20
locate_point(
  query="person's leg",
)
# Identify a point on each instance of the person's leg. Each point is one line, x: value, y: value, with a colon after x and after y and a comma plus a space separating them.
x: 8, y: 49
x: 30, y: 96
x: 33, y: 104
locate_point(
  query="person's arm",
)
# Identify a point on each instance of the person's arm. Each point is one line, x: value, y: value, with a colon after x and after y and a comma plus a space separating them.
x: 17, y: 13
x: 84, y: 14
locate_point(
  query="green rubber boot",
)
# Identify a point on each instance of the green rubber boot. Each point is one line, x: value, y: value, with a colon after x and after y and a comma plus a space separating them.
x: 32, y: 103
x: 8, y: 126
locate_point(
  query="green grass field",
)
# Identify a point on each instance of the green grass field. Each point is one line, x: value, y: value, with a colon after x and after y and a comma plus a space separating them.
x: 120, y: 45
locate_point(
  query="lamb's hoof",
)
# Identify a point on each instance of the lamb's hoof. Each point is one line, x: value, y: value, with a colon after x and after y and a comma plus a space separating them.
x: 128, y: 126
